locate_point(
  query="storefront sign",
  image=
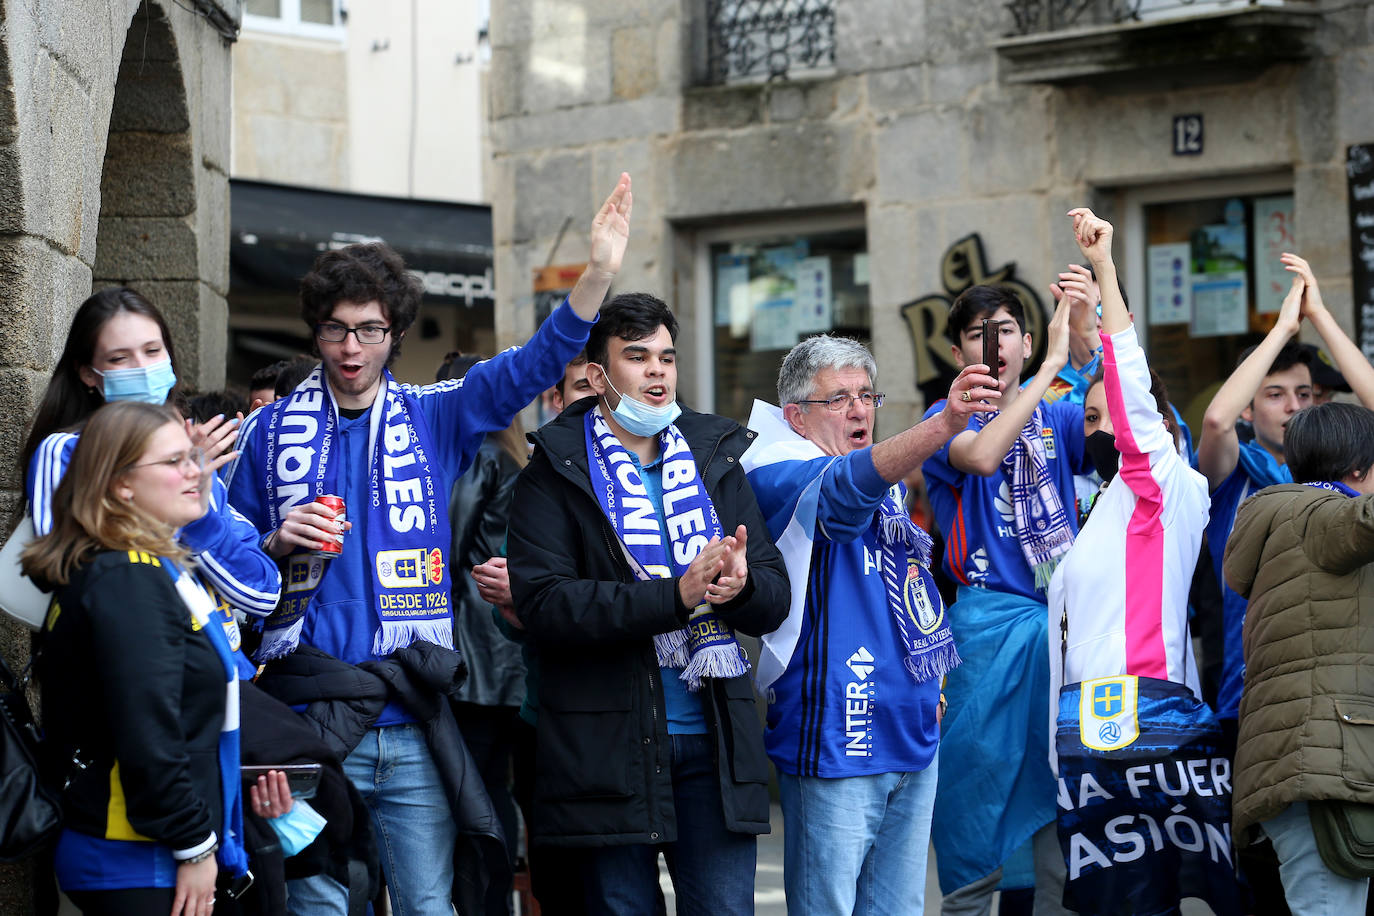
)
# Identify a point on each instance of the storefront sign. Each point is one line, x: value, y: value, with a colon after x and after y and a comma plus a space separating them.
x: 964, y: 265
x: 1359, y: 176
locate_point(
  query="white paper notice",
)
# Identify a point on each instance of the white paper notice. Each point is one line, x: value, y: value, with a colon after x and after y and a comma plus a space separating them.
x: 1274, y: 235
x: 813, y: 304
x: 1171, y: 291
x: 774, y: 326
x: 1219, y: 304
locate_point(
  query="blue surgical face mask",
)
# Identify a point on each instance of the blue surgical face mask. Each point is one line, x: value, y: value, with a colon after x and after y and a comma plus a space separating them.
x: 640, y: 419
x: 297, y: 828
x: 149, y: 384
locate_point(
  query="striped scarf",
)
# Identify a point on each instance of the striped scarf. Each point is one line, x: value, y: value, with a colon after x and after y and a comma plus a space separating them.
x: 1042, y: 525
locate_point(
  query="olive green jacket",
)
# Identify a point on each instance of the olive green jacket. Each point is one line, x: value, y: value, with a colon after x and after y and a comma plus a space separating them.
x: 1301, y: 556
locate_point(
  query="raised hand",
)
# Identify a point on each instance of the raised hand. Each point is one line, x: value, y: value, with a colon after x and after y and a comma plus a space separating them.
x: 1311, y: 296
x: 611, y: 229
x: 974, y: 390
x: 1291, y: 311
x: 1093, y: 234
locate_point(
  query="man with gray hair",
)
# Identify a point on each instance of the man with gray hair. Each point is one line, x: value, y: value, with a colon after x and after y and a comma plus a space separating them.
x: 852, y: 677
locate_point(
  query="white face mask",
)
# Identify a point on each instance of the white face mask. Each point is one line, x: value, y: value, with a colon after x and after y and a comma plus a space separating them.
x: 640, y: 419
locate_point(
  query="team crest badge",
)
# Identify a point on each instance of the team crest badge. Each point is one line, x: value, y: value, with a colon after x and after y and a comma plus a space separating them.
x: 1107, y: 713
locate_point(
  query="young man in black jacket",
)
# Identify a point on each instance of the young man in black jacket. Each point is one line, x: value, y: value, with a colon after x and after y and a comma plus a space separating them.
x: 636, y: 550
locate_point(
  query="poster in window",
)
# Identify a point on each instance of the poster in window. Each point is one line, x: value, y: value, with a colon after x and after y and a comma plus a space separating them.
x: 1274, y: 235
x: 1219, y: 304
x: 774, y: 326
x: 1171, y: 290
x: 732, y: 292
x: 814, y: 302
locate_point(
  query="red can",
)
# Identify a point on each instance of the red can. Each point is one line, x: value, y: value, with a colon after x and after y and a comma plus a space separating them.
x: 331, y: 547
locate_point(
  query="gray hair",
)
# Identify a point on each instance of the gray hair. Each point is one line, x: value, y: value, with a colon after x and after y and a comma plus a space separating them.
x: 797, y: 378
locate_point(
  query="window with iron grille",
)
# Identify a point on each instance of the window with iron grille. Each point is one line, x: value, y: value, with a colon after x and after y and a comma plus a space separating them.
x: 750, y: 41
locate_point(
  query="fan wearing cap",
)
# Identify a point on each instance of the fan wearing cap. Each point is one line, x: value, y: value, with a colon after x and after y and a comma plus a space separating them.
x: 1274, y: 380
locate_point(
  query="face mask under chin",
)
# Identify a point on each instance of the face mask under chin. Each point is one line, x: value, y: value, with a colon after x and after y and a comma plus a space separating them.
x: 640, y: 419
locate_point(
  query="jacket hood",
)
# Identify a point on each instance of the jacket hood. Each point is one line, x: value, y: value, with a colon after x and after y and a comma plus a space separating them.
x: 1255, y: 520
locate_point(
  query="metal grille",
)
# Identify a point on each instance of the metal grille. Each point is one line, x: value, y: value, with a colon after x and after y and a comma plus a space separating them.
x: 760, y: 40
x: 1033, y: 16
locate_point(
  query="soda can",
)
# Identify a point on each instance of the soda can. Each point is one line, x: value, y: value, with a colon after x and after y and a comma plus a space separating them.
x: 331, y: 548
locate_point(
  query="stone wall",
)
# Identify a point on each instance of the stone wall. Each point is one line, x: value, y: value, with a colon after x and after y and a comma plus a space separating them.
x: 114, y: 146
x: 915, y: 129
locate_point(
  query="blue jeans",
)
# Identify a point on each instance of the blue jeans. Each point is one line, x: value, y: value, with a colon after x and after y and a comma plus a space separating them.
x: 1312, y: 889
x: 392, y: 769
x: 712, y: 868
x: 857, y: 845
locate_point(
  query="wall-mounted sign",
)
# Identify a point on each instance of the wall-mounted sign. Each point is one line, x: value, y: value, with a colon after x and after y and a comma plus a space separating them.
x: 1188, y: 135
x: 1359, y: 176
x: 964, y: 265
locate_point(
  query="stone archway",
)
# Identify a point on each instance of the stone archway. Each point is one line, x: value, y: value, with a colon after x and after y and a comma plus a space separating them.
x: 146, y: 235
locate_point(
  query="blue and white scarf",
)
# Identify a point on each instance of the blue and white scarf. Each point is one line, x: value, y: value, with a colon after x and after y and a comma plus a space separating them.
x: 1334, y: 486
x: 903, y: 550
x: 404, y: 526
x: 1042, y: 525
x: 706, y: 647
x: 231, y: 855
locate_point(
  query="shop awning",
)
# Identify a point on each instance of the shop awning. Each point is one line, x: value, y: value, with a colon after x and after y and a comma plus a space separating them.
x: 277, y: 231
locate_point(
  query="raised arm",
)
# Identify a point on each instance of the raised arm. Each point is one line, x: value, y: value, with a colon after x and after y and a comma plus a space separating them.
x: 982, y: 452
x: 1349, y: 360
x: 610, y: 236
x: 1135, y: 416
x: 1219, y: 448
x: 895, y: 458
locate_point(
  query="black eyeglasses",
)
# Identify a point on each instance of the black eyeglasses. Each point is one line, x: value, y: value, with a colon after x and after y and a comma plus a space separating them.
x: 336, y: 333
x: 871, y: 400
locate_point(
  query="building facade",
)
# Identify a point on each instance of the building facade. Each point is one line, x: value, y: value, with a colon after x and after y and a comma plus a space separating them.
x: 851, y: 165
x: 114, y: 168
x: 376, y: 107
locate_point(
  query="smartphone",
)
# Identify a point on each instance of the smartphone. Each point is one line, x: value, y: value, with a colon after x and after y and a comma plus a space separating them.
x: 302, y: 778
x: 990, y: 341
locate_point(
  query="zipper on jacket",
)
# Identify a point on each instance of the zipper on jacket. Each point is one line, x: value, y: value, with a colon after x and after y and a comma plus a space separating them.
x: 653, y: 673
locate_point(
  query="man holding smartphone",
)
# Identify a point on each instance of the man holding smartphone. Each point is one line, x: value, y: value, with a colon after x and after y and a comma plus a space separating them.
x: 1003, y: 495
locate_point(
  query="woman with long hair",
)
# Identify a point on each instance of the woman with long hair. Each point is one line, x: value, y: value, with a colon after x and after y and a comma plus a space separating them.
x: 139, y: 679
x: 119, y: 349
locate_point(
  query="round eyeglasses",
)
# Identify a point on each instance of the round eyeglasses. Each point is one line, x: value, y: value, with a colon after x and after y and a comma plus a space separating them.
x: 190, y: 460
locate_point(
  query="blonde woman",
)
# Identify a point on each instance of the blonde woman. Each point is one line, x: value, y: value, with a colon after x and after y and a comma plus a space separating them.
x: 140, y: 688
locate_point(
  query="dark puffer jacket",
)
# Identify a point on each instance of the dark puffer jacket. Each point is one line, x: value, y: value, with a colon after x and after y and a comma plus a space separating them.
x: 1301, y: 556
x: 603, y: 754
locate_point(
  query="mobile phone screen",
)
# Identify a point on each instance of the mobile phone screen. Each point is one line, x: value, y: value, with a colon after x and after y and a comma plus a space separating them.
x: 990, y: 341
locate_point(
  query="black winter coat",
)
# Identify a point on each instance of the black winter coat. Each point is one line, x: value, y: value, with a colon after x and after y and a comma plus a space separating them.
x: 602, y: 759
x: 342, y: 701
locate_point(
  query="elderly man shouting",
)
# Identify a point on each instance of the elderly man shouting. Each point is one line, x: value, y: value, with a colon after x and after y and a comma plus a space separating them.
x: 853, y: 675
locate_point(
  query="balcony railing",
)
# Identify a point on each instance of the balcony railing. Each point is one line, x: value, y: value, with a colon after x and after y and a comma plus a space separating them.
x: 762, y: 40
x: 1030, y: 17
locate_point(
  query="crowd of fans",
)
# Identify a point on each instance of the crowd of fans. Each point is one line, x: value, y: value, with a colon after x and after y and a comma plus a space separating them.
x: 340, y: 642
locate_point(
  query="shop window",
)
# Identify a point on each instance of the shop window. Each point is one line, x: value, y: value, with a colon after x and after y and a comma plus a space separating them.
x: 1213, y: 286
x: 767, y: 294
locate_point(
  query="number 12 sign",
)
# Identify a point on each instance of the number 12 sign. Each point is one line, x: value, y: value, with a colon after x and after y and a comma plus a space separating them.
x: 1188, y: 135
